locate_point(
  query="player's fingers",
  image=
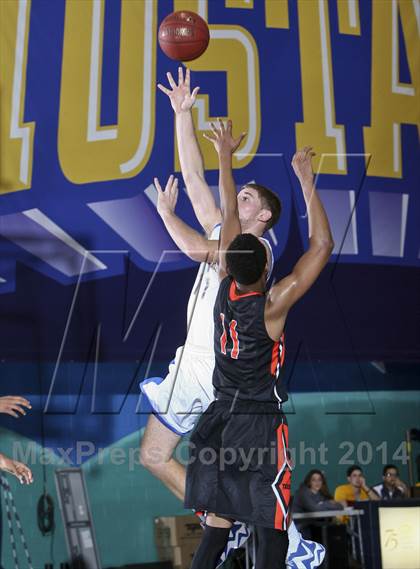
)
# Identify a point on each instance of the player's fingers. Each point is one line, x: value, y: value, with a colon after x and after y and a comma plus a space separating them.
x: 187, y: 77
x: 194, y: 93
x: 157, y: 185
x: 174, y: 190
x: 24, y: 474
x: 11, y: 413
x: 171, y: 80
x: 214, y: 128
x: 209, y: 137
x: 180, y: 76
x: 16, y: 400
x: 169, y: 182
x: 164, y: 89
x: 18, y: 409
x: 240, y: 138
x: 221, y: 126
x: 29, y: 477
x: 229, y: 126
x: 22, y: 401
x: 172, y: 184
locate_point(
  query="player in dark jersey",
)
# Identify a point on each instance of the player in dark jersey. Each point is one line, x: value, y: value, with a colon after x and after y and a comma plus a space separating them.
x: 239, y: 468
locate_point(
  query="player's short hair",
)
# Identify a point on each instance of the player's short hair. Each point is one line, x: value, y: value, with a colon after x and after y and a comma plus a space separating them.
x: 352, y: 469
x: 246, y: 258
x: 388, y: 467
x: 269, y: 200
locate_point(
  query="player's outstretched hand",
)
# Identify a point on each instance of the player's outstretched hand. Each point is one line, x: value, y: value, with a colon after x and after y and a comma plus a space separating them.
x: 18, y: 469
x: 222, y: 137
x: 167, y: 198
x: 180, y: 95
x: 14, y: 405
x: 302, y: 165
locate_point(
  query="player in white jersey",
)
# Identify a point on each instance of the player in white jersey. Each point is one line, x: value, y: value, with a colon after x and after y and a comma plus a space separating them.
x: 186, y: 392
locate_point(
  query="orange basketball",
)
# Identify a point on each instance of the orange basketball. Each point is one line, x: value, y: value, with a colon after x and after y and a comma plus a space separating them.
x: 183, y: 36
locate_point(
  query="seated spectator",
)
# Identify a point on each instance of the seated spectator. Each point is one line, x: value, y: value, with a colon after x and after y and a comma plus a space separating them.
x: 392, y: 488
x: 356, y: 490
x: 313, y: 496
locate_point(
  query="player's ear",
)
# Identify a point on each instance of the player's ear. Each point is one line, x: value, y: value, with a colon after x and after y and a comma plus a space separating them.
x: 264, y: 215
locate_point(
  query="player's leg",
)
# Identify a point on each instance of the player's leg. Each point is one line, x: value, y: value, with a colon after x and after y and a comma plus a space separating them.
x: 271, y: 548
x: 156, y: 454
x: 213, y: 542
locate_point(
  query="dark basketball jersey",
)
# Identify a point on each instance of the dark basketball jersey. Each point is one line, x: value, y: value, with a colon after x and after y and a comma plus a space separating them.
x: 248, y: 361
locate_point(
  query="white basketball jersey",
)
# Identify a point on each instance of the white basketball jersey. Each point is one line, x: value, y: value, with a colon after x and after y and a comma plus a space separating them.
x: 200, y: 326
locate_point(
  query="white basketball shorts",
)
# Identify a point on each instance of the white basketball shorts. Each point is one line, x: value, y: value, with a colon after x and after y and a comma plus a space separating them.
x: 184, y: 394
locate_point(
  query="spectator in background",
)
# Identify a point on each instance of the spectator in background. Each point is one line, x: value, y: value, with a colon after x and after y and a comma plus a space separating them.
x: 313, y: 496
x: 392, y: 488
x: 356, y: 490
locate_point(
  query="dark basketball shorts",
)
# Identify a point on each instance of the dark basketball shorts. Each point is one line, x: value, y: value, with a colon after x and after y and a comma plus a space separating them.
x: 239, y: 466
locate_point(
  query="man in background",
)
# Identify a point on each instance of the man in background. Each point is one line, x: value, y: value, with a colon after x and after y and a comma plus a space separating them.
x: 392, y: 488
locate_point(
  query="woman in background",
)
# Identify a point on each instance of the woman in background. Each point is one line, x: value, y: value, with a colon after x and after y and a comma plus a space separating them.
x: 313, y: 496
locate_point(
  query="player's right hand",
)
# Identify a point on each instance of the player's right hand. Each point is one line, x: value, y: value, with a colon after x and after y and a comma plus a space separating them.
x: 13, y: 405
x: 18, y: 469
x: 167, y: 198
x: 180, y: 95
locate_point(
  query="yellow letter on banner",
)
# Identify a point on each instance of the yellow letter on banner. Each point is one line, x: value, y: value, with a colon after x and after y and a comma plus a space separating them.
x: 348, y: 17
x: 276, y: 14
x: 393, y: 102
x: 319, y: 128
x: 90, y: 152
x: 231, y: 49
x: 16, y: 137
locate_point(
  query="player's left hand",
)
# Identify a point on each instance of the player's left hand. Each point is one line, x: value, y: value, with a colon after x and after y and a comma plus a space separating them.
x: 302, y: 165
x: 222, y: 138
x: 18, y: 469
x: 167, y: 198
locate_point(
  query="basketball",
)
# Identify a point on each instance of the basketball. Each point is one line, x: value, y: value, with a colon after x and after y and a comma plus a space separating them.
x: 183, y: 36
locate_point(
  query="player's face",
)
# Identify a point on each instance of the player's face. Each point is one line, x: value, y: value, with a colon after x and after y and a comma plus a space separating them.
x: 249, y: 206
x: 316, y: 482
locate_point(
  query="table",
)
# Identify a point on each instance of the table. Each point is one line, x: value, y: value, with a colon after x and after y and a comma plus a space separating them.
x: 355, y: 530
x: 355, y: 526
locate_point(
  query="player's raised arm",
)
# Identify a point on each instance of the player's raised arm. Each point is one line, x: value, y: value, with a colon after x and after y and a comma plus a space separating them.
x: 225, y: 146
x: 286, y: 292
x: 192, y: 166
x: 189, y: 241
